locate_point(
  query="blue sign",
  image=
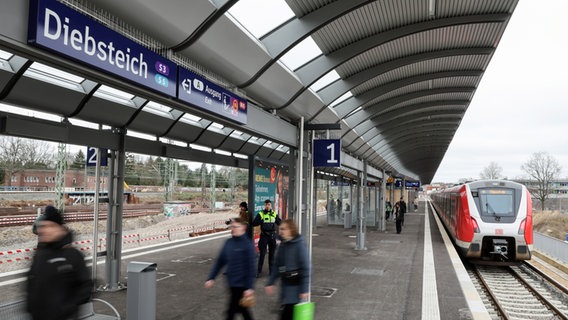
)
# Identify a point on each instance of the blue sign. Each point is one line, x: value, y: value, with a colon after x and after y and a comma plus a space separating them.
x: 412, y: 184
x: 92, y: 157
x: 339, y: 183
x: 327, y: 153
x: 57, y: 27
x: 398, y: 183
x: 206, y: 95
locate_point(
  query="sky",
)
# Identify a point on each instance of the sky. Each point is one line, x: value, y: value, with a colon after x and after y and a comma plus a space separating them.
x: 521, y: 105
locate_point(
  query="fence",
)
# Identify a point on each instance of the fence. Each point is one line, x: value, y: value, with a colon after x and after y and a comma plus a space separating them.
x: 551, y: 246
x: 14, y: 258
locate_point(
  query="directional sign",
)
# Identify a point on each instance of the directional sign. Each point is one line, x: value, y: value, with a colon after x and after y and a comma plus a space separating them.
x: 92, y: 157
x: 412, y: 184
x: 327, y: 153
x: 207, y: 95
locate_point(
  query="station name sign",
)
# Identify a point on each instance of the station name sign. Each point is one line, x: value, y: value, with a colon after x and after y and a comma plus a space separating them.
x: 57, y: 27
x: 207, y: 95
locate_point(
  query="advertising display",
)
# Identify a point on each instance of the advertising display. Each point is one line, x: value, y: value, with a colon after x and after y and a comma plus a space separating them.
x: 271, y: 181
x: 59, y: 28
x: 206, y: 95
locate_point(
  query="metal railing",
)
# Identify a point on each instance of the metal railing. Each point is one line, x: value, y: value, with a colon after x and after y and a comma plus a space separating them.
x: 551, y: 246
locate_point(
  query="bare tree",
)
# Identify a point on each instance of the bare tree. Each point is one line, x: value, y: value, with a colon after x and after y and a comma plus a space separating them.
x: 17, y: 154
x: 542, y: 168
x: 492, y: 171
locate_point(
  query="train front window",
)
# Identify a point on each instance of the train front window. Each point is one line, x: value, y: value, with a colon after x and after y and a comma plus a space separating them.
x: 496, y: 202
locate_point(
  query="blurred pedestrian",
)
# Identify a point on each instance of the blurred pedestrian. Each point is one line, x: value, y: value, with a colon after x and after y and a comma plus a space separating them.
x: 402, y: 210
x: 244, y: 215
x: 292, y: 267
x: 398, y: 217
x: 58, y: 280
x: 238, y: 256
x: 268, y: 220
x: 388, y: 210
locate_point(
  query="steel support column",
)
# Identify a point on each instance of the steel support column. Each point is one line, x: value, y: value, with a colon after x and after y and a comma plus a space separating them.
x: 114, y: 218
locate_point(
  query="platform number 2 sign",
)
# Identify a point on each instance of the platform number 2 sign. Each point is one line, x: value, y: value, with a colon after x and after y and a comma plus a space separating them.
x: 327, y: 153
x: 92, y: 157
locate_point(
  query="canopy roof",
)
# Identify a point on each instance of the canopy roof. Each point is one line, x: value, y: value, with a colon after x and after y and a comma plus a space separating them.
x: 398, y: 75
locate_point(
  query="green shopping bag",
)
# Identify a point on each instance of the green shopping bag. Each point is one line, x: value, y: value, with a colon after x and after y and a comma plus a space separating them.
x: 304, y: 311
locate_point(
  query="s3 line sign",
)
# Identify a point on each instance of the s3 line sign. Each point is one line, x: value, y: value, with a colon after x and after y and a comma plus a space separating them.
x: 57, y: 27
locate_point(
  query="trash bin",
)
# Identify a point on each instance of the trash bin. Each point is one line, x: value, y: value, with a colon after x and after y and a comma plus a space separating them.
x: 347, y: 220
x: 141, y: 290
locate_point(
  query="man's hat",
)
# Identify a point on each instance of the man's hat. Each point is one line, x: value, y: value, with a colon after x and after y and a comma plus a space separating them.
x: 52, y: 214
x: 267, y: 201
x: 243, y: 204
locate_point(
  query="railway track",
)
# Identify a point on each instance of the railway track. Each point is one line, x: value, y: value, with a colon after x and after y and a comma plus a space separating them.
x: 28, y: 219
x: 519, y: 292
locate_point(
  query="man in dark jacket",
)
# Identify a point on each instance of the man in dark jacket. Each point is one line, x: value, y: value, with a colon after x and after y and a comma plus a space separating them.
x: 238, y: 255
x: 268, y: 220
x: 58, y: 280
x: 402, y: 209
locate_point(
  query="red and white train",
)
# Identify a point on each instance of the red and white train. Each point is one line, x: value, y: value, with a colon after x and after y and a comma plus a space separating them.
x: 488, y: 220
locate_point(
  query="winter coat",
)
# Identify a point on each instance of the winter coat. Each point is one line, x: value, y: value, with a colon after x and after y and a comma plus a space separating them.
x: 238, y: 254
x: 291, y: 255
x: 58, y: 281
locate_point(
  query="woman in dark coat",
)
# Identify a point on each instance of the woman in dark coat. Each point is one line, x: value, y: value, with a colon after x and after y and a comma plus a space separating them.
x: 292, y: 267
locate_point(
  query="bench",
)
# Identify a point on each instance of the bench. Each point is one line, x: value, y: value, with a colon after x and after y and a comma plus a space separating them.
x: 17, y: 311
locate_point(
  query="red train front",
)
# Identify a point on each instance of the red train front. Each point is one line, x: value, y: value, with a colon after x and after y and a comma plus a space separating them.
x: 488, y: 220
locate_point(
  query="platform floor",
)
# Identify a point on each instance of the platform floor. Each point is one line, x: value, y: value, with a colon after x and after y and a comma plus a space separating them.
x: 383, y: 282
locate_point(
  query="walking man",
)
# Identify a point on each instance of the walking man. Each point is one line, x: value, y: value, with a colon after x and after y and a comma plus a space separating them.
x: 402, y: 209
x: 268, y: 220
x: 58, y: 280
x: 238, y: 255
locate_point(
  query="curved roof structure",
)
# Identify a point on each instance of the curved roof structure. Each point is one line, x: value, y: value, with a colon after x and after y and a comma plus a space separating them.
x: 403, y: 73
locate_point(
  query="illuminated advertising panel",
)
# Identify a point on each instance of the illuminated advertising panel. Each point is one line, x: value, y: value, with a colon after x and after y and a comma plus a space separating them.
x: 270, y: 181
x: 59, y: 28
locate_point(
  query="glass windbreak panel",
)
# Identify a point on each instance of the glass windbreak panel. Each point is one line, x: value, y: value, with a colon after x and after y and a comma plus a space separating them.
x: 496, y: 202
x: 332, y: 203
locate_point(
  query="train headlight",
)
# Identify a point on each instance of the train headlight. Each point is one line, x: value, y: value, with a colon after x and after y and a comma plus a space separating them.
x: 475, y: 225
x: 522, y: 226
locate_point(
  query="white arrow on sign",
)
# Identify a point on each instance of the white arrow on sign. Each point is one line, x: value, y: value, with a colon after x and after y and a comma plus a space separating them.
x: 186, y: 84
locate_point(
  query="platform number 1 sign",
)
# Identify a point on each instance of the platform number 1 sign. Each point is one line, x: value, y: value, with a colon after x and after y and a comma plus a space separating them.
x: 327, y: 153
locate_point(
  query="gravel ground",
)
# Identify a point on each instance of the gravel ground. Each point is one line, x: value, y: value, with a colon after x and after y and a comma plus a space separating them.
x: 138, y: 232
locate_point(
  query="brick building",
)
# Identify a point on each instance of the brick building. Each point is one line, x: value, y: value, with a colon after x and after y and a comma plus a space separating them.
x: 44, y: 180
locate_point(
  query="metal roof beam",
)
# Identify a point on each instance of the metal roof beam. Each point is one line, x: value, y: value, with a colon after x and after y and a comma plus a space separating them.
x: 336, y: 89
x: 348, y: 105
x: 285, y: 37
x: 312, y: 71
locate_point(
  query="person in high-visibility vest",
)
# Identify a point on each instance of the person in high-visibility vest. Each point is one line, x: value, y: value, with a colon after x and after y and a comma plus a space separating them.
x: 268, y: 220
